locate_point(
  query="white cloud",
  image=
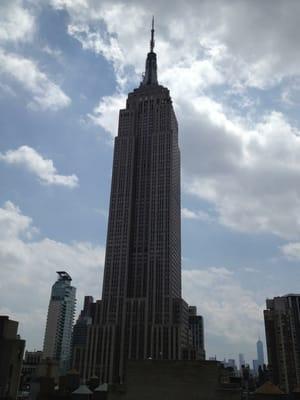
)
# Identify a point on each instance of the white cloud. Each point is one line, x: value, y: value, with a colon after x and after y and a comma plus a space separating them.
x: 215, y: 292
x: 291, y: 250
x: 191, y: 214
x: 109, y: 48
x: 189, y: 78
x: 46, y: 94
x: 6, y: 90
x: 249, y: 173
x: 16, y: 22
x: 17, y: 25
x: 44, y: 169
x: 239, y: 40
x: 106, y: 114
x: 53, y: 52
x: 29, y: 267
x: 246, y: 166
x: 16, y: 223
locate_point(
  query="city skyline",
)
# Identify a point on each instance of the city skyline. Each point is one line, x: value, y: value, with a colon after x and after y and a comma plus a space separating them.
x: 239, y: 139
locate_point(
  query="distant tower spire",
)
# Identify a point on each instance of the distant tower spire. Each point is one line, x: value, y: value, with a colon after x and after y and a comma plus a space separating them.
x: 150, y: 77
x: 152, y: 42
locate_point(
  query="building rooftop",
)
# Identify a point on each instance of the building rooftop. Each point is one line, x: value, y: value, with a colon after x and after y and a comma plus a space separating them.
x: 269, y: 388
x: 83, y: 389
x: 64, y: 276
x: 102, y: 388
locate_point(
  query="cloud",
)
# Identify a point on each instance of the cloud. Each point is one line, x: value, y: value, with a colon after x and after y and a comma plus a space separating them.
x: 197, y: 215
x: 53, y: 52
x: 29, y: 266
x: 238, y: 154
x: 17, y: 24
x: 249, y: 172
x: 16, y: 223
x: 239, y: 39
x: 106, y: 113
x: 46, y: 94
x: 44, y: 169
x: 108, y: 47
x: 215, y: 292
x: 290, y: 95
x: 291, y: 250
x: 17, y: 27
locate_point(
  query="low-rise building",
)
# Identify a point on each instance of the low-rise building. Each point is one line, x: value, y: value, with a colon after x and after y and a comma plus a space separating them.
x: 30, y: 363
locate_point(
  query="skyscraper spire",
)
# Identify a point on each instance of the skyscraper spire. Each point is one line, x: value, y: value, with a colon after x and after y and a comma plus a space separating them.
x: 152, y: 42
x: 150, y: 77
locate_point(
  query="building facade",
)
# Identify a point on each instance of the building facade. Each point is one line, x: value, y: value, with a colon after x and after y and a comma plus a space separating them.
x: 142, y: 314
x: 176, y: 380
x: 60, y: 319
x: 282, y: 325
x: 11, y: 356
x: 80, y: 334
x: 197, y: 330
x: 30, y: 363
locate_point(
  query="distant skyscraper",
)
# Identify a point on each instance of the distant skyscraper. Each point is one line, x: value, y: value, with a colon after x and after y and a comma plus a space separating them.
x: 58, y: 334
x: 260, y: 353
x: 255, y: 366
x: 142, y: 314
x: 11, y: 356
x: 241, y: 360
x: 230, y: 363
x: 282, y: 324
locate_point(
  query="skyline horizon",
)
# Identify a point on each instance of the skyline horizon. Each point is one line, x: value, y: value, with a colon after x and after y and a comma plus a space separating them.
x: 236, y: 105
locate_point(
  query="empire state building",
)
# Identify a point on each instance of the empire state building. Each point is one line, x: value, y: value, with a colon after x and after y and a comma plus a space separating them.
x: 142, y: 314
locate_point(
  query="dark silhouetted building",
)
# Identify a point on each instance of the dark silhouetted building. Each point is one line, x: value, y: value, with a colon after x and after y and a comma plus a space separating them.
x: 176, y: 380
x: 282, y: 325
x: 80, y: 334
x: 269, y: 391
x: 30, y: 363
x: 11, y: 357
x: 60, y: 319
x: 197, y: 332
x: 45, y: 380
x: 142, y: 314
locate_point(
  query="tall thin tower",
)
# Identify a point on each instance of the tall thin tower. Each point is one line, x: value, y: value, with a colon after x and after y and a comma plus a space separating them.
x: 58, y: 333
x: 260, y: 353
x: 141, y: 314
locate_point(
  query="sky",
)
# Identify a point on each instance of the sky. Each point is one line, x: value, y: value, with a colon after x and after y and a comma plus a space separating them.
x: 233, y: 70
